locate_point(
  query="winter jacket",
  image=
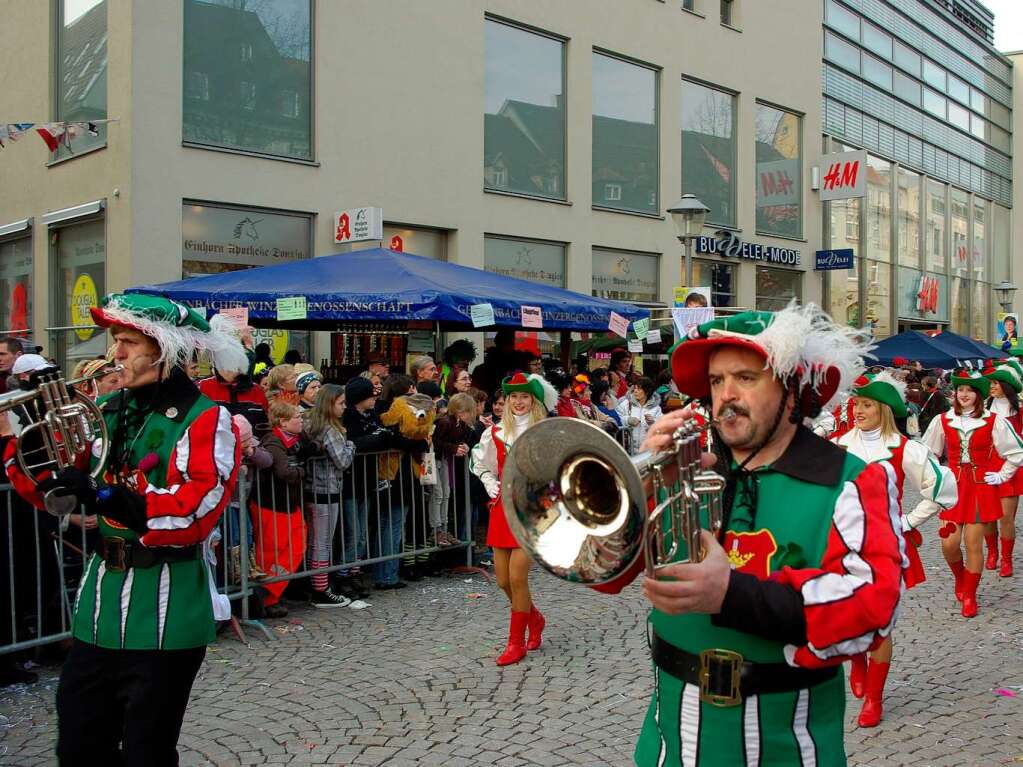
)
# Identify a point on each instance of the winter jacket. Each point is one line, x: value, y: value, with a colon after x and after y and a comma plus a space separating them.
x: 325, y: 475
x: 369, y: 436
x: 280, y: 487
x: 411, y: 421
x: 448, y: 434
x: 240, y: 397
x: 634, y: 418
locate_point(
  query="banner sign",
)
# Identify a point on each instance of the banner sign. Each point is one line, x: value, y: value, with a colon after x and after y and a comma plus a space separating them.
x: 843, y: 176
x: 834, y: 259
x: 727, y: 243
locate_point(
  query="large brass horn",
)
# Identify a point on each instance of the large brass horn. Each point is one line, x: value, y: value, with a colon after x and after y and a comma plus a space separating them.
x: 577, y: 502
x: 64, y: 425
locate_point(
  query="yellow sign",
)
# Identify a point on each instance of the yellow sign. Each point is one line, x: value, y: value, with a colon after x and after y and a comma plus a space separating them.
x: 83, y: 298
x: 278, y: 340
x: 679, y: 296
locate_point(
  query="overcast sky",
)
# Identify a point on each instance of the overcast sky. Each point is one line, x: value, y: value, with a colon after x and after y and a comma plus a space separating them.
x: 1008, y: 23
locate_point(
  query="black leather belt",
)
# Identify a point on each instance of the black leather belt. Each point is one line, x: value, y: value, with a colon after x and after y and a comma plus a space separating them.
x: 120, y: 554
x: 725, y: 678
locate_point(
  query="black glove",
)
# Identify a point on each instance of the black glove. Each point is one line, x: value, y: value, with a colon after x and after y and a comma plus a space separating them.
x: 122, y: 505
x: 72, y: 482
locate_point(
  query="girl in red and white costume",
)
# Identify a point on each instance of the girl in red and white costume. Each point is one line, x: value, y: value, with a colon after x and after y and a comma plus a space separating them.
x: 877, y: 401
x: 528, y: 400
x: 984, y: 452
x: 1006, y: 382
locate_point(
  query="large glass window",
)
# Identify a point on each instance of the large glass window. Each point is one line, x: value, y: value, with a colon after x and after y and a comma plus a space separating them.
x: 960, y: 304
x: 980, y: 323
x: 934, y: 239
x: 842, y: 53
x: 248, y: 75
x: 877, y: 72
x: 624, y: 135
x: 844, y: 284
x: 958, y: 116
x: 878, y: 298
x: 934, y: 103
x: 79, y: 254
x: 907, y: 88
x: 80, y: 89
x: 1001, y: 239
x: 542, y: 262
x: 625, y: 276
x: 907, y: 58
x: 842, y: 19
x: 721, y: 277
x: 980, y: 240
x: 777, y: 287
x: 524, y: 121
x: 709, y: 149
x: 909, y: 218
x: 960, y: 224
x: 779, y: 190
x: 876, y: 40
x: 934, y: 75
x: 879, y: 209
x: 16, y: 286
x: 958, y: 90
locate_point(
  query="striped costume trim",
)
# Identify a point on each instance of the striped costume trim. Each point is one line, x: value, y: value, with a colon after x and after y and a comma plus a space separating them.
x: 689, y: 725
x: 102, y: 571
x: 751, y: 730
x: 162, y: 601
x: 800, y: 720
x: 129, y: 579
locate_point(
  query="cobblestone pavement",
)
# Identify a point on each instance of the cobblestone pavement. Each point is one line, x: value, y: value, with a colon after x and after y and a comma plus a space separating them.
x: 412, y: 681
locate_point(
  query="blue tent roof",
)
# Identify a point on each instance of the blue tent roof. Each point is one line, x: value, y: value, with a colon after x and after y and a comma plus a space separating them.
x: 945, y: 350
x: 381, y: 285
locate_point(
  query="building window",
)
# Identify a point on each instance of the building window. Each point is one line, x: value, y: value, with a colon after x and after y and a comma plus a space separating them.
x: 907, y: 58
x: 937, y: 227
x: 879, y: 209
x: 726, y: 12
x: 878, y: 298
x: 877, y: 41
x: 960, y: 234
x: 842, y: 53
x: 275, y: 58
x: 524, y: 121
x: 689, y: 5
x: 16, y: 287
x: 709, y: 149
x: 290, y: 104
x: 934, y: 103
x: 877, y: 72
x: 625, y: 156
x: 81, y: 69
x: 960, y: 307
x: 533, y: 260
x: 1001, y: 239
x: 420, y: 241
x: 934, y: 75
x: 908, y: 202
x: 980, y: 241
x: 625, y: 275
x: 779, y: 189
x: 79, y: 258
x: 720, y: 277
x: 907, y: 89
x: 958, y: 90
x: 777, y: 287
x: 842, y: 19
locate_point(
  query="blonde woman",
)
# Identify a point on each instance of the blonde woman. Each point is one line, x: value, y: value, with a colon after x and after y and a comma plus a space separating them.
x: 528, y: 402
x: 281, y: 384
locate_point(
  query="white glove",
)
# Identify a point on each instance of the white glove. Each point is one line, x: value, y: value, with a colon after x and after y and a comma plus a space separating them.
x: 993, y: 478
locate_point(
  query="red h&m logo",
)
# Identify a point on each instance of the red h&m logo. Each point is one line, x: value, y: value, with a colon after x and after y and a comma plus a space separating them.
x: 775, y: 182
x: 927, y: 295
x: 842, y: 175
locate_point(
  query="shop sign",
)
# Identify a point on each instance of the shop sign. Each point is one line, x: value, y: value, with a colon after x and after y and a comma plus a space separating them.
x: 358, y: 225
x: 922, y: 295
x: 727, y: 243
x: 83, y: 298
x: 213, y: 234
x: 777, y: 183
x: 625, y: 276
x: 841, y: 258
x: 843, y: 176
x: 277, y: 339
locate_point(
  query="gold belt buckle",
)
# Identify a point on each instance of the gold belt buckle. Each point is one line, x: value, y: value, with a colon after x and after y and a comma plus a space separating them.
x: 116, y: 555
x: 733, y: 661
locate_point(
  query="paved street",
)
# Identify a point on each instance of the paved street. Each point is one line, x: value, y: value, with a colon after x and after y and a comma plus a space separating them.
x: 412, y: 681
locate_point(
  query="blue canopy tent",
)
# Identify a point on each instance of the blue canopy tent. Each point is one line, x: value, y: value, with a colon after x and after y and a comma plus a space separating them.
x: 945, y: 350
x: 381, y: 285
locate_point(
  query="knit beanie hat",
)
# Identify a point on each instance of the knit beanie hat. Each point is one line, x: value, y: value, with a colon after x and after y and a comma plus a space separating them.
x: 357, y: 390
x: 243, y: 426
x: 304, y: 379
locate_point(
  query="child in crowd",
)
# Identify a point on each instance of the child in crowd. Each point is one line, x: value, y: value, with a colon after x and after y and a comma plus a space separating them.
x: 452, y: 436
x: 279, y: 527
x: 307, y: 384
x: 254, y: 457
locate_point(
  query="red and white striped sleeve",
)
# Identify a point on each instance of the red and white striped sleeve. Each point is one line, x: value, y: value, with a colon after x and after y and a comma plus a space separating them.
x: 200, y: 480
x: 851, y: 601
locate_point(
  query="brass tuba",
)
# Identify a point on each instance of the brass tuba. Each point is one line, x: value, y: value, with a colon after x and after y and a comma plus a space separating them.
x: 63, y: 426
x: 577, y: 502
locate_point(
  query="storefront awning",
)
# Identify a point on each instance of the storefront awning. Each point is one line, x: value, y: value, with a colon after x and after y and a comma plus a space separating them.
x: 945, y: 350
x: 382, y: 285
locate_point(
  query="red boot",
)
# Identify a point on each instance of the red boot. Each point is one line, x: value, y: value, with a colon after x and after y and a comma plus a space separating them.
x: 516, y: 649
x: 1007, y: 546
x: 970, y: 583
x: 877, y: 673
x: 536, y: 624
x: 958, y: 570
x: 858, y: 675
x: 992, y: 551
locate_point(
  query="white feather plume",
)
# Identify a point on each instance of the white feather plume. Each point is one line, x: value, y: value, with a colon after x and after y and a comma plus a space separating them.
x: 550, y: 394
x: 804, y: 339
x: 885, y: 377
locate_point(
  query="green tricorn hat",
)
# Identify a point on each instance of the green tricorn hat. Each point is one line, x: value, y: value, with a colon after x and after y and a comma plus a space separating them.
x: 1005, y: 374
x: 884, y: 388
x: 964, y: 377
x: 534, y: 385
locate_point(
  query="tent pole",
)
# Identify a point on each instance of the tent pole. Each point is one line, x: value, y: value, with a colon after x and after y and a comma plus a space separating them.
x: 438, y: 344
x: 566, y: 349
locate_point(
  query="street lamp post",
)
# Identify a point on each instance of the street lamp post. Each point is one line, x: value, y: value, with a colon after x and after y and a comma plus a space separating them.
x: 688, y: 215
x: 1004, y: 290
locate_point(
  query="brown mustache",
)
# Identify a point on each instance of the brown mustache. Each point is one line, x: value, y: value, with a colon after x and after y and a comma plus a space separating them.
x: 736, y: 411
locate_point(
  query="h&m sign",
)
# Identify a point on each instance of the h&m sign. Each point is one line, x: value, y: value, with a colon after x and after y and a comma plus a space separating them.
x: 843, y: 176
x: 726, y: 243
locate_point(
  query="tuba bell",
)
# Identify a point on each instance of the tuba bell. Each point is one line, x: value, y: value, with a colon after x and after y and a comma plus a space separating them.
x: 63, y: 425
x: 577, y: 502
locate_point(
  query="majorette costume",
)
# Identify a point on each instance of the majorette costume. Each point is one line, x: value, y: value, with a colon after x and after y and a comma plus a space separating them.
x: 1007, y: 373
x: 983, y: 453
x: 145, y: 608
x: 816, y: 549
x: 912, y: 462
x: 487, y: 462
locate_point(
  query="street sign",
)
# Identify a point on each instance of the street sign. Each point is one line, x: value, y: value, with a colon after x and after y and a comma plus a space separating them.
x: 843, y: 176
x: 834, y: 259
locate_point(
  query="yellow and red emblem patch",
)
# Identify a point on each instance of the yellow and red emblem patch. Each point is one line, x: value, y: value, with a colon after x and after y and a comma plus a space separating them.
x: 751, y: 552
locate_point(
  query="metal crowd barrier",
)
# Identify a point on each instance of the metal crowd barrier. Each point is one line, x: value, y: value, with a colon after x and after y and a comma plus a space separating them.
x: 372, y: 522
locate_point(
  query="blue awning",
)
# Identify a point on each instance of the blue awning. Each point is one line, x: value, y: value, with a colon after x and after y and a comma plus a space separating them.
x: 381, y: 285
x: 945, y: 350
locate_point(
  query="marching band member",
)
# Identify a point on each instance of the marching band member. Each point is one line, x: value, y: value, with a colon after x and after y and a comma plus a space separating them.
x: 878, y: 400
x: 983, y: 452
x: 529, y: 399
x: 1006, y: 382
x: 747, y: 643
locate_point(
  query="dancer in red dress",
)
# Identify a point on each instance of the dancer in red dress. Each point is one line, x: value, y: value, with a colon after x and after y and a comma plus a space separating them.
x: 528, y: 401
x: 1006, y: 382
x: 877, y: 401
x: 983, y: 452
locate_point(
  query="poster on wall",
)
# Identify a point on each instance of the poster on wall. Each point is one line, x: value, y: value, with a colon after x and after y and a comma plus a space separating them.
x: 1007, y: 328
x: 693, y: 298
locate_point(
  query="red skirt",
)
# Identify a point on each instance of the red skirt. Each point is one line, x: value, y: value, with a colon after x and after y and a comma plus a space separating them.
x: 1013, y: 488
x: 978, y: 501
x: 499, y: 535
x: 914, y: 574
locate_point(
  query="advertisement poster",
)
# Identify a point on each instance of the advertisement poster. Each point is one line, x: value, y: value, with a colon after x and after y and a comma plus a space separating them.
x: 1008, y: 328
